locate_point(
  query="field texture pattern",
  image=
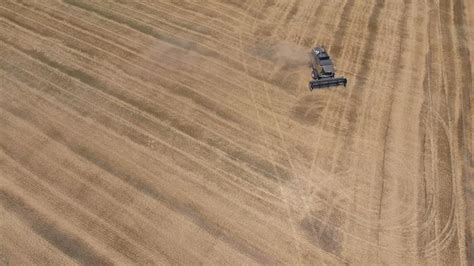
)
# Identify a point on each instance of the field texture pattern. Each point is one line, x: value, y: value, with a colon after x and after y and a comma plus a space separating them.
x: 183, y: 132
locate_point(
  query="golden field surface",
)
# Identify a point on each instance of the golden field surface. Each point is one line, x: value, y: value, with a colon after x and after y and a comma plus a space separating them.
x: 184, y: 132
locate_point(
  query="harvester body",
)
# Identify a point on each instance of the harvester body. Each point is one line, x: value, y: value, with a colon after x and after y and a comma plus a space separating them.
x: 323, y: 70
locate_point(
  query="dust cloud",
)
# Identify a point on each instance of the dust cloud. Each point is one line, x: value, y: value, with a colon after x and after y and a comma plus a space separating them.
x: 285, y: 54
x: 291, y: 54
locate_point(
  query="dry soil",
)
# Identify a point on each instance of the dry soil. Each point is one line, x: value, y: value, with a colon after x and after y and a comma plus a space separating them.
x: 165, y: 132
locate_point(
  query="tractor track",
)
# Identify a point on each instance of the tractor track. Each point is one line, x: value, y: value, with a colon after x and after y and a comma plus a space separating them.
x: 183, y: 132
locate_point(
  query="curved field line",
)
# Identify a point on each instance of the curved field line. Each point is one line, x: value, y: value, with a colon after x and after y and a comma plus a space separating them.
x: 78, y: 207
x: 150, y: 155
x: 133, y: 78
x: 152, y: 73
x: 143, y: 169
x: 147, y: 70
x: 164, y: 143
x: 145, y: 115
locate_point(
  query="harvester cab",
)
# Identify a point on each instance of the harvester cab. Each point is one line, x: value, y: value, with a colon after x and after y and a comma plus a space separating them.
x: 323, y: 70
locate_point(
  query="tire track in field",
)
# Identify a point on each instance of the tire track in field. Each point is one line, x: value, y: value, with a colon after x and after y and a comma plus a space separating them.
x: 341, y: 25
x: 462, y: 91
x: 115, y: 55
x: 184, y: 208
x: 191, y: 34
x: 276, y: 121
x: 326, y: 232
x: 20, y: 245
x: 399, y: 212
x: 337, y: 46
x: 77, y: 217
x: 214, y: 12
x: 115, y: 114
x: 464, y: 125
x: 188, y: 163
x: 118, y: 85
x: 292, y: 172
x: 181, y: 101
x: 352, y: 110
x: 292, y: 169
x: 154, y: 113
x: 322, y: 231
x: 338, y: 40
x: 89, y: 114
x: 326, y: 239
x: 393, y: 211
x: 280, y: 170
x: 151, y: 155
x: 148, y: 236
x: 76, y: 194
x: 149, y: 29
x: 401, y: 28
x: 139, y: 143
x: 207, y: 28
x: 47, y: 172
x: 451, y: 152
x: 86, y: 194
x: 99, y: 121
x: 54, y: 234
x: 323, y: 241
x: 341, y: 31
x: 263, y: 135
x: 425, y: 212
x: 186, y: 45
x: 255, y: 58
x: 428, y: 83
x: 168, y: 37
x: 445, y: 203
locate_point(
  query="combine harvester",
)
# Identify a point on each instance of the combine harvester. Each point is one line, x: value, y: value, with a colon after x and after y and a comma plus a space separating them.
x: 323, y: 71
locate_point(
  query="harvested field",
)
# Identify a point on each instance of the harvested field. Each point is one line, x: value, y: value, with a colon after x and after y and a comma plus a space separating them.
x: 183, y: 132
